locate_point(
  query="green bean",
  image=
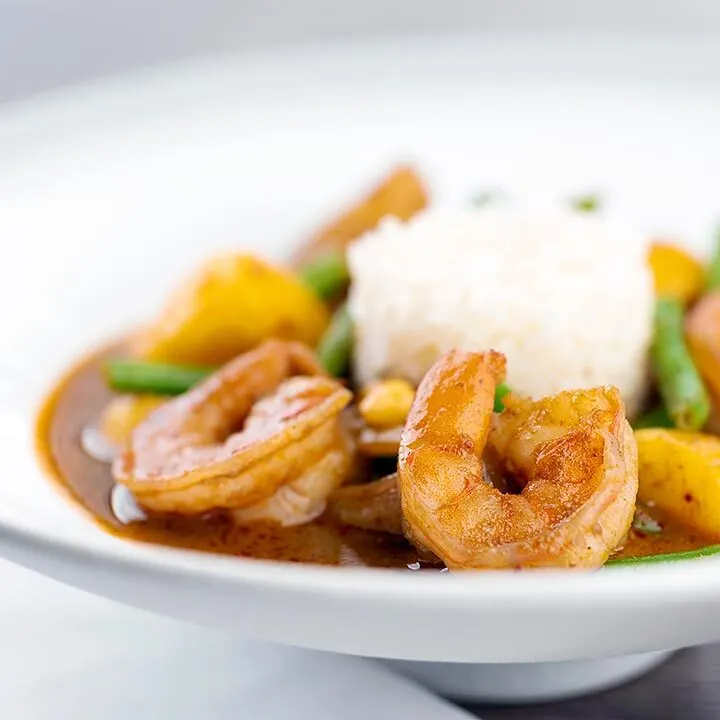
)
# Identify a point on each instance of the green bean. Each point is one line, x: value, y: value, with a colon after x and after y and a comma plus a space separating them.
x: 713, y: 274
x: 335, y: 345
x: 137, y: 376
x: 500, y: 392
x: 667, y: 557
x: 141, y: 376
x: 326, y: 275
x: 681, y: 388
x: 656, y: 418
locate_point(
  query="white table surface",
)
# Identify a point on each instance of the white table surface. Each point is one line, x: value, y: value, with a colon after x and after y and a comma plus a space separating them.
x: 67, y: 654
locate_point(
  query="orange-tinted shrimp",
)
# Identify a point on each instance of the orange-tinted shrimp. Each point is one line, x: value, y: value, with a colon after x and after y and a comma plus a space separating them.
x: 371, y: 506
x: 573, y: 455
x: 702, y: 328
x: 262, y: 436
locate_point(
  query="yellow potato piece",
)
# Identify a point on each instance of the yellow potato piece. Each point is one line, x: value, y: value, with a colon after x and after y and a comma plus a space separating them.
x: 401, y: 194
x: 125, y: 413
x: 231, y: 304
x: 677, y: 274
x: 680, y: 472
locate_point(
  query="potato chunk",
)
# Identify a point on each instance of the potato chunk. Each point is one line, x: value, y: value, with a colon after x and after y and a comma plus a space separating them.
x: 231, y: 304
x: 680, y: 472
x: 677, y: 274
x: 400, y: 194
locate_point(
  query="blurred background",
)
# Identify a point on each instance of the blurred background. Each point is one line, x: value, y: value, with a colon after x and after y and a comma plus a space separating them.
x: 45, y: 43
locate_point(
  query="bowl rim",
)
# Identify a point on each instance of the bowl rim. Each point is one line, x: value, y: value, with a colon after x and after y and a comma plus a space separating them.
x: 622, y: 586
x: 667, y: 583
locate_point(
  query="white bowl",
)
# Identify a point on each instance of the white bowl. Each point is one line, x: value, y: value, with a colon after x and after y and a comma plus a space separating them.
x: 108, y: 194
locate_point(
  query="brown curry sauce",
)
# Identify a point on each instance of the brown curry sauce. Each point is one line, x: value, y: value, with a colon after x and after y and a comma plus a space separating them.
x: 78, y: 401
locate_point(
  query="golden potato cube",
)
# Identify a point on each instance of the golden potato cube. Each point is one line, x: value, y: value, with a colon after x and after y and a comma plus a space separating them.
x: 679, y: 472
x: 677, y: 274
x: 231, y: 304
x: 401, y: 194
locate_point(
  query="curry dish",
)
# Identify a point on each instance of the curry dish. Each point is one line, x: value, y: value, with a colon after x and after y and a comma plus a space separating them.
x: 245, y: 421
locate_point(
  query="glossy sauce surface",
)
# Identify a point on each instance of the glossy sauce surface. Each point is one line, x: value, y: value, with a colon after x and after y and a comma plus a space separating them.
x: 77, y: 403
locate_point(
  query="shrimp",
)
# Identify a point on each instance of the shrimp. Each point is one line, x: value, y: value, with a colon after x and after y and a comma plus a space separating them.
x: 370, y: 506
x: 262, y: 437
x: 701, y: 329
x: 572, y: 456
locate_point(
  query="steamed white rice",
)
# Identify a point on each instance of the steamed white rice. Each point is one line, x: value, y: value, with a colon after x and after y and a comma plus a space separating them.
x: 567, y: 297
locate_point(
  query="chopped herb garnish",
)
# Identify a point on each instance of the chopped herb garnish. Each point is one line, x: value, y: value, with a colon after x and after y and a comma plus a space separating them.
x: 500, y: 392
x: 586, y: 203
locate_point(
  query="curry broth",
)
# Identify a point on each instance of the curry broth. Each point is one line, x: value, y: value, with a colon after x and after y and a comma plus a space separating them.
x: 77, y: 403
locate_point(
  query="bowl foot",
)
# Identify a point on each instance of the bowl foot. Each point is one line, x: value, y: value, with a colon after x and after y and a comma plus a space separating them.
x: 527, y: 682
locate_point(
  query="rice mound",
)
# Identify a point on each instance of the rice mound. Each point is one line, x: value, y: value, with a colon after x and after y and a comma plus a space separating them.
x: 568, y: 297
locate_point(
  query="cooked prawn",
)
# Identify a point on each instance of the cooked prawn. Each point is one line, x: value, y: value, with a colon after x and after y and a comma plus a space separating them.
x: 263, y: 436
x: 573, y: 456
x: 370, y: 506
x: 701, y: 329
